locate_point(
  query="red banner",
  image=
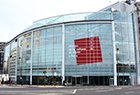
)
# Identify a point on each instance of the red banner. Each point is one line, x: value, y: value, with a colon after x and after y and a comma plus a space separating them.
x: 88, y: 50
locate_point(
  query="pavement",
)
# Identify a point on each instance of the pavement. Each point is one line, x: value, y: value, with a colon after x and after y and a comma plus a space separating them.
x: 25, y: 86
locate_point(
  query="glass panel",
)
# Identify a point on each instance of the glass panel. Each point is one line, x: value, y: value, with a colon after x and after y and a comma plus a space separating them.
x: 47, y: 52
x: 6, y: 59
x: 126, y: 64
x: 96, y: 62
x: 73, y: 17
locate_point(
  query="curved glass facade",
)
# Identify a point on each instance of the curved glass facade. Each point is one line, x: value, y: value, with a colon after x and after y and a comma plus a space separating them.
x: 88, y: 49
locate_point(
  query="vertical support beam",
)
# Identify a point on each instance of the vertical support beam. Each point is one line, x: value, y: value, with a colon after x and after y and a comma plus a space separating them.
x: 31, y: 58
x: 136, y: 45
x: 63, y: 53
x: 8, y: 65
x: 114, y: 54
x: 88, y: 79
x: 17, y: 58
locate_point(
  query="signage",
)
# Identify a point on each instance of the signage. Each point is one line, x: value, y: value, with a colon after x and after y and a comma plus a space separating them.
x: 88, y: 50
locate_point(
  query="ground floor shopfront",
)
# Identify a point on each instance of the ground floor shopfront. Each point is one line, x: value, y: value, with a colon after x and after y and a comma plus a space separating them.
x: 97, y: 80
x: 76, y: 80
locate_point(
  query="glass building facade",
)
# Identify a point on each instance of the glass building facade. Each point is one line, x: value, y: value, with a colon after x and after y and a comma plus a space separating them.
x: 96, y: 48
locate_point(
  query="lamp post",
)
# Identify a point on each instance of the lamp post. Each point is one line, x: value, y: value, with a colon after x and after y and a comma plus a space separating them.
x: 21, y: 81
x: 44, y: 72
x: 117, y: 59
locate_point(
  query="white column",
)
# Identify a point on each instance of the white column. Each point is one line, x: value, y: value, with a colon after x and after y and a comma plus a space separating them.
x: 137, y: 45
x: 31, y: 58
x: 63, y: 53
x: 114, y: 54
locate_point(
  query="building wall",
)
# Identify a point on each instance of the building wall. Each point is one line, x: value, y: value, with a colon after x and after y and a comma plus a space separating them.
x: 2, y: 46
x: 89, y: 65
x: 96, y: 47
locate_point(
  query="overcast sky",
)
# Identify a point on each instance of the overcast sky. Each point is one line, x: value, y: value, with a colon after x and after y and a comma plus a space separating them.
x: 16, y: 15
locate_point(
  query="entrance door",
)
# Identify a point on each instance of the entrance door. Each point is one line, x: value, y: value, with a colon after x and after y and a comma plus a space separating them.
x: 111, y: 81
x: 73, y: 81
x: 76, y: 80
x: 123, y: 80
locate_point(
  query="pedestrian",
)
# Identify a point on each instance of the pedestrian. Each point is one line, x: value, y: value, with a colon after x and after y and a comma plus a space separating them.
x: 10, y: 81
x: 0, y: 81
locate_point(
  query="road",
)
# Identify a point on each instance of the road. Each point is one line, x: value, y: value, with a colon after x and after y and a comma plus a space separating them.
x: 133, y: 90
x: 70, y: 90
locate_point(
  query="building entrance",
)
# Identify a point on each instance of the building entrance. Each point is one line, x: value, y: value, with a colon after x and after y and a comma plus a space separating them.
x: 88, y: 80
x: 99, y: 80
x: 123, y: 80
x: 76, y: 80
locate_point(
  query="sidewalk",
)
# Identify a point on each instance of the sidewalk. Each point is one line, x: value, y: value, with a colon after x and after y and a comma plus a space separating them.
x: 26, y: 86
x: 59, y: 86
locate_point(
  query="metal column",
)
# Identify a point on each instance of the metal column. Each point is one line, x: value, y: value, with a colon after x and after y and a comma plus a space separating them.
x: 114, y: 54
x: 63, y: 54
x: 31, y: 58
x: 137, y: 43
x: 17, y: 58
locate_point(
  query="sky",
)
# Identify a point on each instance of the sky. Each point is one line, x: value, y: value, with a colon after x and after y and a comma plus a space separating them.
x: 17, y: 15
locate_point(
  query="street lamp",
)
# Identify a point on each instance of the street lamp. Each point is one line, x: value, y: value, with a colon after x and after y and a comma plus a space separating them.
x: 117, y: 59
x: 21, y: 81
x: 44, y: 72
